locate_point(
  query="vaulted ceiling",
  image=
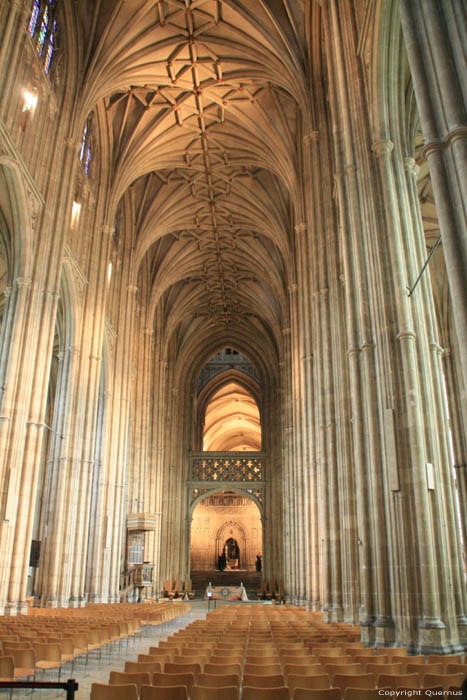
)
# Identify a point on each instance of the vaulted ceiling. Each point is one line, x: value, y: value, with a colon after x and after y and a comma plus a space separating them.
x: 203, y: 103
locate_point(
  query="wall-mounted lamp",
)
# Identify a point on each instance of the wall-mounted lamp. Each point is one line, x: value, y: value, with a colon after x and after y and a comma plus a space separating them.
x: 29, y: 106
x: 109, y: 272
x: 75, y: 214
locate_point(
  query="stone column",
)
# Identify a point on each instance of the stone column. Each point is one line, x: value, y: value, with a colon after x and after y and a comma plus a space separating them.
x: 434, y: 33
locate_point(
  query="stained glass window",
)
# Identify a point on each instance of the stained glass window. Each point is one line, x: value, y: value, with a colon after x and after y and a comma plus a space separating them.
x: 43, y: 29
x: 33, y: 19
x: 85, y: 153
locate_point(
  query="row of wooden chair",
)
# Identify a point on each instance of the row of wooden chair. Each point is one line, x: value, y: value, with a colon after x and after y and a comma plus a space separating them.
x: 214, y: 658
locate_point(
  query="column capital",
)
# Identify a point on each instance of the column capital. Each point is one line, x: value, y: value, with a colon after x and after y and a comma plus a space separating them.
x: 293, y: 288
x: 23, y: 281
x: 382, y: 147
x: 105, y: 228
x: 301, y: 227
x: 131, y: 289
x: 411, y: 166
x: 311, y: 136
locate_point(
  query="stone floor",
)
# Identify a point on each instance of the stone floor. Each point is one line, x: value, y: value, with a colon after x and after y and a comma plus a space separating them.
x: 97, y: 670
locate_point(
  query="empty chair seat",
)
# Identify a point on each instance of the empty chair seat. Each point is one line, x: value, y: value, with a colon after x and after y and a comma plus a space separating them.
x: 101, y: 691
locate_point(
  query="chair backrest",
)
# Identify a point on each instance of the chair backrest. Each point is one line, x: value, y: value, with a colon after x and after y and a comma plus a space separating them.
x: 255, y: 681
x: 122, y: 678
x: 166, y: 679
x: 398, y: 680
x: 363, y: 680
x: 383, y: 668
x: 101, y: 691
x: 23, y: 658
x: 7, y: 667
x: 263, y: 669
x: 325, y: 694
x: 323, y: 660
x: 311, y: 682
x: 451, y: 659
x: 8, y: 646
x: 207, y: 693
x: 164, y: 692
x: 200, y: 659
x: 212, y: 680
x: 311, y: 670
x: 347, y: 669
x: 142, y: 667
x: 265, y: 693
x: 223, y: 669
x: 195, y: 669
x: 393, y: 651
x: 446, y: 680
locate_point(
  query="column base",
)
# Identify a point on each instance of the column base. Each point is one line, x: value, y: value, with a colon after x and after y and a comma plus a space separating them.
x: 432, y: 637
x: 94, y: 598
x: 462, y: 627
x: 367, y: 626
x: 385, y: 631
x: 15, y: 609
x: 51, y: 602
x: 337, y: 613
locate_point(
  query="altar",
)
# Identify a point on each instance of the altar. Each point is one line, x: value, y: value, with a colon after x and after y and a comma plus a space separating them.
x: 226, y: 593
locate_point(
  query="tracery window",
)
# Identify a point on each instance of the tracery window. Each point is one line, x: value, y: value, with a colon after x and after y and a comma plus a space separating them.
x: 42, y: 28
x: 85, y: 154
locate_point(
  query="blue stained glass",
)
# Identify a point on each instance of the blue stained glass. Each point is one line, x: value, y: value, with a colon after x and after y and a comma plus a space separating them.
x: 83, y: 142
x: 88, y: 159
x: 33, y: 19
x: 43, y: 31
x: 50, y: 49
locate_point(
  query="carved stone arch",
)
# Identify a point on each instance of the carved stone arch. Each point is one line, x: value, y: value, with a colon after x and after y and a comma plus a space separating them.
x: 231, y: 529
x: 20, y: 207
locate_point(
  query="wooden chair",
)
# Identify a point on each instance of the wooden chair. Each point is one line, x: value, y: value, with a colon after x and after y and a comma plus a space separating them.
x: 174, y: 679
x: 67, y: 648
x: 411, y: 660
x: 48, y: 656
x: 195, y: 669
x: 122, y: 678
x: 423, y: 669
x: 445, y: 680
x: 254, y: 681
x: 398, y: 680
x: 142, y: 667
x: 383, y: 668
x: 200, y: 659
x: 442, y: 659
x: 392, y: 651
x: 309, y: 682
x: 101, y: 691
x: 263, y: 669
x: 297, y: 669
x: 265, y: 693
x: 162, y: 692
x: 273, y: 659
x: 221, y: 669
x: 456, y: 668
x: 317, y: 694
x: 324, y: 660
x: 211, y: 680
x: 343, y: 669
x: 199, y: 692
x: 362, y: 680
